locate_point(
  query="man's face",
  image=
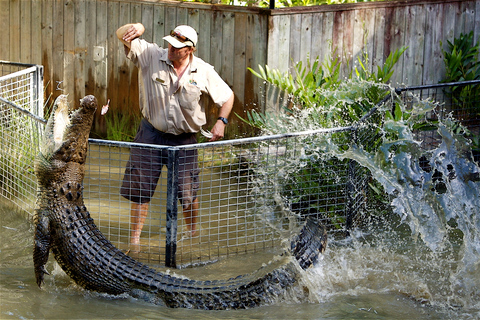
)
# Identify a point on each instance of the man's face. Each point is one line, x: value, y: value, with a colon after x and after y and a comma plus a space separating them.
x: 176, y: 54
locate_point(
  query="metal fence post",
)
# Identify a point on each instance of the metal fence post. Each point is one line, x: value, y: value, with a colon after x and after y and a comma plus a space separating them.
x: 172, y: 214
x: 38, y: 91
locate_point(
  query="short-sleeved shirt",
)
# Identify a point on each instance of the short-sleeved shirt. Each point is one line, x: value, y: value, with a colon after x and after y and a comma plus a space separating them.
x: 169, y: 104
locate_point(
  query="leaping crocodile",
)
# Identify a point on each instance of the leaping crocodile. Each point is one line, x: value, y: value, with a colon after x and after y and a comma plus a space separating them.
x: 64, y: 225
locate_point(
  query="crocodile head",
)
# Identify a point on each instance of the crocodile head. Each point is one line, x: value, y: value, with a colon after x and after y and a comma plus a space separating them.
x: 65, y: 140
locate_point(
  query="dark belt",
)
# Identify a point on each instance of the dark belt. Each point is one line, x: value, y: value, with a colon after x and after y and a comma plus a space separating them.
x: 150, y: 126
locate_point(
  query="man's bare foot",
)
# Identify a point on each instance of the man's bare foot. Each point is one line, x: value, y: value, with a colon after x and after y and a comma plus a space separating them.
x: 134, y: 247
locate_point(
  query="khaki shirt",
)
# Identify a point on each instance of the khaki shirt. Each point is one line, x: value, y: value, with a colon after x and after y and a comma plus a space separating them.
x: 171, y: 105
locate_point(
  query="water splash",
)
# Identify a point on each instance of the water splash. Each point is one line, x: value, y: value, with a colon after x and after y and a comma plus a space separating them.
x: 437, y: 194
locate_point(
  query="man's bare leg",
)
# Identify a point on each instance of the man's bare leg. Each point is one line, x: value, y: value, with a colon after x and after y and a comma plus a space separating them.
x: 138, y: 214
x: 190, y: 215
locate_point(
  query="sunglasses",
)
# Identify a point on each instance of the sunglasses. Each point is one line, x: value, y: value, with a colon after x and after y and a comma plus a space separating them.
x: 179, y: 36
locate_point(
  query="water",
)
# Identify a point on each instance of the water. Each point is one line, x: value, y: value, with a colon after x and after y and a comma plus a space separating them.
x: 381, y: 273
x: 420, y: 261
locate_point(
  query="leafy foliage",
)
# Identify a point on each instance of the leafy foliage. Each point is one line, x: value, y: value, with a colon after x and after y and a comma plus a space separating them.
x: 319, y: 98
x: 121, y: 126
x: 462, y: 64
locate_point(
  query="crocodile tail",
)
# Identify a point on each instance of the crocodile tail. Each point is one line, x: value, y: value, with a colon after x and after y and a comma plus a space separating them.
x: 310, y: 242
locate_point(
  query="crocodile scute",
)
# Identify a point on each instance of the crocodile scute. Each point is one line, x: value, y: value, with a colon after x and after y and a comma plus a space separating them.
x: 64, y: 227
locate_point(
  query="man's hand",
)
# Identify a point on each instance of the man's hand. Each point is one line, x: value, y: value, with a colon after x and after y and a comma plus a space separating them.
x: 129, y: 32
x: 218, y: 129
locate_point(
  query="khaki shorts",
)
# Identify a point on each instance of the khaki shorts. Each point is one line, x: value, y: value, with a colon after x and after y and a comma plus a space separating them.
x: 145, y: 166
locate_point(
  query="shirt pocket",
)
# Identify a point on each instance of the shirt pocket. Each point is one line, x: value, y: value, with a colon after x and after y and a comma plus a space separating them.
x: 161, y: 81
x: 189, y: 96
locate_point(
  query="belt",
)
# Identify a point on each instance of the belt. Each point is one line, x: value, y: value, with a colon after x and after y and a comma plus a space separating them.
x: 150, y: 126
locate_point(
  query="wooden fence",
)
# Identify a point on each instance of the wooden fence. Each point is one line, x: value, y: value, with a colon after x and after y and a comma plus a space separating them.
x: 75, y: 41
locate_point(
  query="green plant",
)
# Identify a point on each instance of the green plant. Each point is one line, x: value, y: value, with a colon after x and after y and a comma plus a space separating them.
x: 122, y: 126
x: 462, y: 64
x: 319, y: 98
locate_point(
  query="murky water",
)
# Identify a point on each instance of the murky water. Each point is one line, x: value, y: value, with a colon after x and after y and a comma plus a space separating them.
x: 384, y: 274
x: 421, y: 261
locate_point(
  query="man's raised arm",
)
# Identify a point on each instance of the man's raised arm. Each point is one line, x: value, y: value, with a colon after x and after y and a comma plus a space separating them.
x: 127, y: 33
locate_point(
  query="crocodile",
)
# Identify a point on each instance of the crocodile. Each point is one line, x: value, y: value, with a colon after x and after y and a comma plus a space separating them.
x: 64, y: 226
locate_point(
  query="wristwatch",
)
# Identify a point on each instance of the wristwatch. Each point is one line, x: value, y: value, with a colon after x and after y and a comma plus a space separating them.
x: 224, y: 120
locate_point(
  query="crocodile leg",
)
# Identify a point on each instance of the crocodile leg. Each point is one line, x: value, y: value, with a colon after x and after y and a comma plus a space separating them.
x: 41, y: 247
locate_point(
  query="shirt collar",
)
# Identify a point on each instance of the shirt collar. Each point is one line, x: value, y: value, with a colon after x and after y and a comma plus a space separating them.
x: 193, y: 62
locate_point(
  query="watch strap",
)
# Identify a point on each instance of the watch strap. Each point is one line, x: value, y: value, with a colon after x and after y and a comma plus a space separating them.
x: 224, y: 120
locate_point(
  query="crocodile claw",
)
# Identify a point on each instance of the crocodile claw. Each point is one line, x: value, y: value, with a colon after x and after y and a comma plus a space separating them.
x: 39, y: 274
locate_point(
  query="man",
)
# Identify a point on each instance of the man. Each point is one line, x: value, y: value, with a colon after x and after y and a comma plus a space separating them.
x: 171, y: 82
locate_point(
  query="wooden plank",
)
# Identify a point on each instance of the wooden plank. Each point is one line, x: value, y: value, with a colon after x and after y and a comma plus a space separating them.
x: 203, y: 44
x: 476, y: 28
x: 90, y: 43
x: 256, y: 52
x: 337, y: 38
x: 80, y: 49
x: 240, y: 65
x: 317, y: 41
x: 438, y: 65
x: 170, y: 19
x: 306, y: 38
x: 369, y: 27
x: 397, y: 40
x: 414, y: 36
x: 101, y: 65
x: 228, y: 47
x: 69, y: 48
x: 36, y: 32
x: 216, y: 41
x: 158, y: 25
x: 358, y: 37
x: 147, y: 21
x: 469, y: 13
x: 326, y: 42
x: 378, y: 36
x: 193, y: 19
x: 283, y: 50
x: 58, y: 49
x: 124, y: 66
x: 135, y: 16
x: 5, y: 25
x: 429, y: 44
x: 111, y: 90
x: 348, y: 34
x: 459, y: 19
x: 15, y: 33
x: 294, y: 41
x: 449, y: 23
x: 273, y: 40
x: 25, y: 32
x: 47, y: 51
x: 182, y: 16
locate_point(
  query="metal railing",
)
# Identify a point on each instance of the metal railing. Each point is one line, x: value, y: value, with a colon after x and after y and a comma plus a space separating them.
x: 253, y: 191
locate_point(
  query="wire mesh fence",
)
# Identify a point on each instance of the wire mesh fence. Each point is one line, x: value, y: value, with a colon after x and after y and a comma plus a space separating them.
x: 248, y: 190
x: 21, y: 94
x: 460, y: 100
x: 252, y: 193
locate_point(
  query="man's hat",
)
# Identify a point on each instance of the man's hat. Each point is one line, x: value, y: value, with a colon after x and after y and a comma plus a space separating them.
x: 182, y: 36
